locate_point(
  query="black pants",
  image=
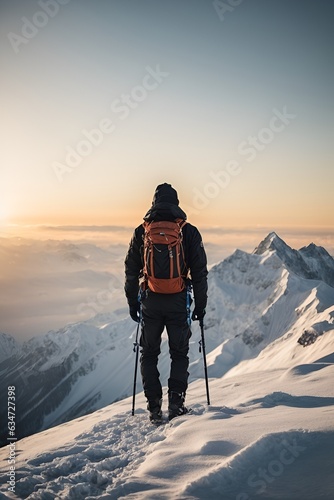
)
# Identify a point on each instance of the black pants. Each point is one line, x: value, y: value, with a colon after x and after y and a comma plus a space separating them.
x: 160, y: 310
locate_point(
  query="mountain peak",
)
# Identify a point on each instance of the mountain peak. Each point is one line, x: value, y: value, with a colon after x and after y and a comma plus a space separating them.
x: 311, y: 262
x: 271, y: 242
x: 315, y: 250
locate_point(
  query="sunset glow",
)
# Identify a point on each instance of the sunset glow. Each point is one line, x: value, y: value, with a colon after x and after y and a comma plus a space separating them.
x: 236, y: 116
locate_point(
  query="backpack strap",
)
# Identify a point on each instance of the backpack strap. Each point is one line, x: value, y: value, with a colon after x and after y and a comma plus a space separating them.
x: 181, y: 224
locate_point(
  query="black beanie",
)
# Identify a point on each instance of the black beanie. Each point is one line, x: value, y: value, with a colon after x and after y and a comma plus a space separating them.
x: 164, y: 193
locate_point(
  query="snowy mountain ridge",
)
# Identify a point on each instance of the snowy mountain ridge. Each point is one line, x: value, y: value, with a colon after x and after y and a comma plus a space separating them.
x: 311, y: 262
x: 254, y: 299
x: 8, y: 346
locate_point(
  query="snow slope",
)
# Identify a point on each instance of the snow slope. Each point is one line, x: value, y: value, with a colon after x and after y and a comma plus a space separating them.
x: 269, y: 434
x: 69, y: 373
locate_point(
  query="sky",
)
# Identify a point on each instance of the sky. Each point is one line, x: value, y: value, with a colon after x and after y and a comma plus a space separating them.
x: 230, y: 102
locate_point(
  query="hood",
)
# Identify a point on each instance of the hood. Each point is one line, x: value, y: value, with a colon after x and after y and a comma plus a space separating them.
x: 165, y: 205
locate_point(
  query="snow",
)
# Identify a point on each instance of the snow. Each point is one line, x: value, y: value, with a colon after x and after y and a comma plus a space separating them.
x: 311, y: 262
x: 268, y: 433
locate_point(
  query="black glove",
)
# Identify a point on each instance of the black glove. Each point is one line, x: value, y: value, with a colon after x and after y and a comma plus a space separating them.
x: 198, y: 314
x: 135, y: 311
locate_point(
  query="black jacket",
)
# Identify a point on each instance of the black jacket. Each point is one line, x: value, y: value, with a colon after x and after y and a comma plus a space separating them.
x: 195, y: 256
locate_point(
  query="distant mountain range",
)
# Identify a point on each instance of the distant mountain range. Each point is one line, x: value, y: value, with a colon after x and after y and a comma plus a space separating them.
x: 254, y: 300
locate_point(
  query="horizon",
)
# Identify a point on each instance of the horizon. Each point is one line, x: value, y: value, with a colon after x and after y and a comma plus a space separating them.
x: 225, y: 236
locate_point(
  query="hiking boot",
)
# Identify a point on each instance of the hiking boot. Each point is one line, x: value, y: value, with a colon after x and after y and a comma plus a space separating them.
x: 154, y: 408
x: 176, y: 405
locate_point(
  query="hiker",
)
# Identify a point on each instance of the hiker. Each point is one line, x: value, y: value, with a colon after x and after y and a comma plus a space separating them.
x: 165, y: 301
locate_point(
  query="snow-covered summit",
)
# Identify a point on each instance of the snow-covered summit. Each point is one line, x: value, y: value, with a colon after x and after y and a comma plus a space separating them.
x: 271, y: 242
x: 255, y: 299
x: 311, y: 262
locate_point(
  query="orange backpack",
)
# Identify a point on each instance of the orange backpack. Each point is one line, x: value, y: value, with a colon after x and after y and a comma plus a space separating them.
x: 165, y: 269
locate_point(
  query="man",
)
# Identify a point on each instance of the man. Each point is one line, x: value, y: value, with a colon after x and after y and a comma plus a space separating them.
x: 159, y: 310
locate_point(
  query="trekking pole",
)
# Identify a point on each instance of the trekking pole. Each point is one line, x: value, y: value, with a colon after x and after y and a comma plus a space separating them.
x: 136, y: 350
x: 202, y: 346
